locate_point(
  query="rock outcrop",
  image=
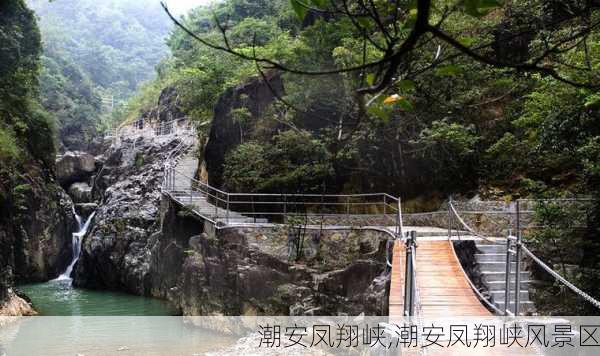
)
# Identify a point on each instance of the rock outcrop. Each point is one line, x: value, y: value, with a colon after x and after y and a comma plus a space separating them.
x: 36, y: 224
x: 35, y: 214
x: 80, y: 193
x: 255, y: 96
x: 75, y: 166
x: 14, y: 305
x: 261, y: 272
x: 168, y: 107
x: 143, y: 243
x: 115, y: 253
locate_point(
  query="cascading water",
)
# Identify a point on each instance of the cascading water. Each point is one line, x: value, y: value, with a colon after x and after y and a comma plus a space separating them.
x: 76, y: 244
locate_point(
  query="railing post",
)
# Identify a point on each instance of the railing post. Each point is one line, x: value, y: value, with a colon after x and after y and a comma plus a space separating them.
x: 450, y: 218
x: 322, y: 205
x: 384, y: 207
x: 253, y: 210
x: 216, y: 205
x: 409, y: 282
x: 227, y: 218
x: 518, y: 262
x: 347, y: 207
x: 408, y: 279
x: 284, y: 208
x: 507, y: 277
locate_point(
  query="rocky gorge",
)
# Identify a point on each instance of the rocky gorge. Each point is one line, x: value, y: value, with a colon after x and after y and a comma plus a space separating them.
x: 144, y: 243
x: 141, y: 242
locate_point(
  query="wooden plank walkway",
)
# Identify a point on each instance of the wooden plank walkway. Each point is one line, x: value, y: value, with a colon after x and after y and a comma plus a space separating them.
x: 442, y: 284
x: 396, y: 301
x: 443, y: 287
x: 444, y: 292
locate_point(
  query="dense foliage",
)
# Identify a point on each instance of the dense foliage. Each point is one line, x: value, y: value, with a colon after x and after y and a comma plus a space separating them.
x: 25, y: 129
x: 500, y: 99
x: 458, y: 126
x: 96, y: 54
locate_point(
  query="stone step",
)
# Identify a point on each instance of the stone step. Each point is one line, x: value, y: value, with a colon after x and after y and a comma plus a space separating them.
x: 497, y: 266
x: 524, y: 306
x: 490, y: 257
x: 498, y: 295
x: 491, y: 248
x: 493, y: 276
x: 500, y: 285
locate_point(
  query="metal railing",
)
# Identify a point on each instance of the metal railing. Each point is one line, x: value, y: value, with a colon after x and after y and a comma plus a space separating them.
x: 516, y: 250
x: 151, y: 129
x: 225, y: 208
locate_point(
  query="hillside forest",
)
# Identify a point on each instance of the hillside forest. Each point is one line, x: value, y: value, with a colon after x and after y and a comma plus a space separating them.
x: 417, y: 98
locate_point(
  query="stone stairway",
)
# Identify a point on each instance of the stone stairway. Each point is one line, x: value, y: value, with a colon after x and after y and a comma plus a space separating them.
x: 183, y: 191
x: 491, y: 259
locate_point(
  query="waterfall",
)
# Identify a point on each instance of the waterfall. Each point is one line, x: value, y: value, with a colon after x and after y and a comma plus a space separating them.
x: 76, y: 244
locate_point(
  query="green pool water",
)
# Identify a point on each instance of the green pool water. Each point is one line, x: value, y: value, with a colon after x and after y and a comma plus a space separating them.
x: 76, y: 321
x: 58, y: 298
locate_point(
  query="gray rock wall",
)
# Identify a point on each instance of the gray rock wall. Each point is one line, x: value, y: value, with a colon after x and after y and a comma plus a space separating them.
x: 261, y: 272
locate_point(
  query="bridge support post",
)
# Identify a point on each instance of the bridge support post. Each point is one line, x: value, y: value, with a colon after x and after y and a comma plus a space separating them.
x: 384, y: 208
x: 227, y: 212
x: 518, y: 262
x: 507, y: 276
x: 449, y: 219
x: 409, y: 281
x: 284, y: 208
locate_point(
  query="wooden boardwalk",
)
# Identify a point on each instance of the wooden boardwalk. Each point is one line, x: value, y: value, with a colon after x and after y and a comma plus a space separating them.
x: 444, y: 293
x: 442, y: 283
x: 396, y: 301
x: 443, y: 288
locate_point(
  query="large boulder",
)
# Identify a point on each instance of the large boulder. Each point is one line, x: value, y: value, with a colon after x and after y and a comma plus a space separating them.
x: 74, y: 166
x: 80, y: 193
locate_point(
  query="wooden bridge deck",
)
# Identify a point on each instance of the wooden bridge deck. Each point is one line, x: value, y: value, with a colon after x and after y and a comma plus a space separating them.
x: 443, y: 288
x: 396, y: 301
x: 444, y: 293
x: 442, y: 283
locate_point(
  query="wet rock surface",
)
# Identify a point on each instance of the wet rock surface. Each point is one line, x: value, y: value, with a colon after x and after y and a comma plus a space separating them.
x: 115, y: 253
x: 80, y: 193
x: 85, y: 209
x: 36, y: 224
x: 74, y: 166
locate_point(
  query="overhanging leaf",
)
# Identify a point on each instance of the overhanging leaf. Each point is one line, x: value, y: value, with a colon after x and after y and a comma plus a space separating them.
x: 379, y: 112
x: 406, y: 85
x: 319, y: 3
x: 447, y: 70
x: 299, y: 9
x: 478, y: 8
x: 364, y: 21
x: 370, y: 78
x: 405, y: 104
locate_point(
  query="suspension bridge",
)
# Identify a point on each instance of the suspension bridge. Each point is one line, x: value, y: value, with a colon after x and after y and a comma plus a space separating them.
x: 427, y: 277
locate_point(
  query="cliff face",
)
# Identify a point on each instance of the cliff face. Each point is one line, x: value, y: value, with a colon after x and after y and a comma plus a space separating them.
x: 261, y: 272
x: 254, y: 97
x: 115, y: 253
x: 36, y: 219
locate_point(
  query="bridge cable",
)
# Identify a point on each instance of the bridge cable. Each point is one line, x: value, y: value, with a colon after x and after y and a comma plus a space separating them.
x: 560, y: 278
x: 467, y: 227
